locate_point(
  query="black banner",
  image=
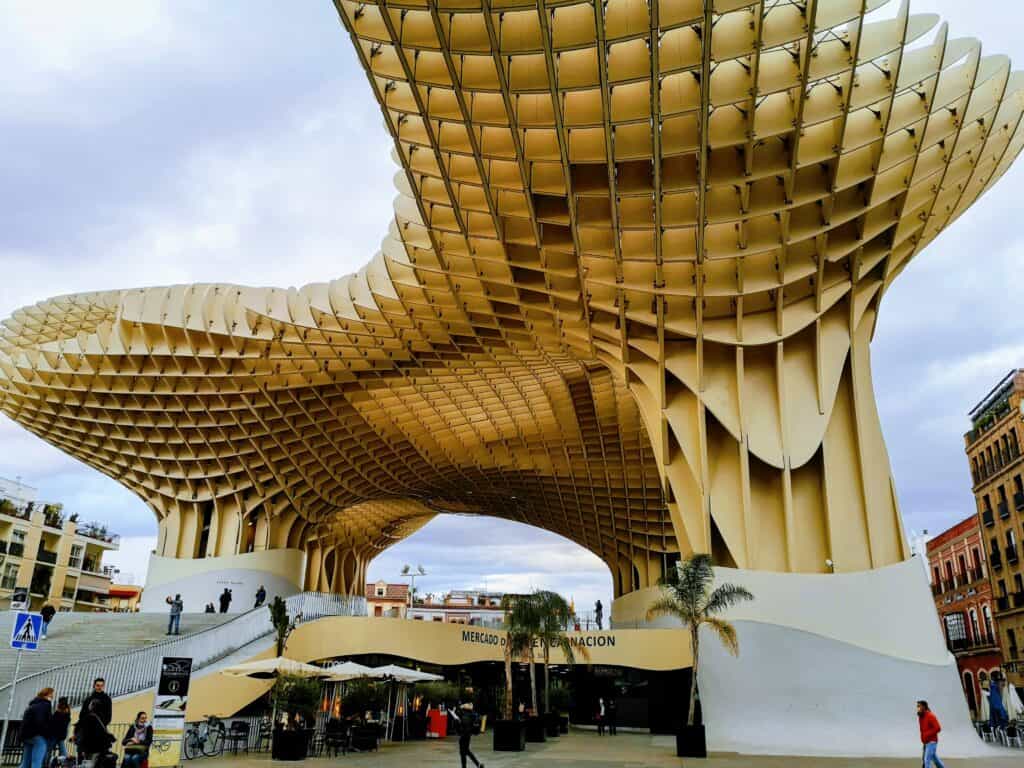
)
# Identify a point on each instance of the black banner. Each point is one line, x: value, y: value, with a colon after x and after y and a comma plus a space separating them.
x: 174, y: 677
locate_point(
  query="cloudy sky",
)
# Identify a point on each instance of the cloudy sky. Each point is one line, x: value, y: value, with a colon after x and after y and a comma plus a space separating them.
x: 146, y: 143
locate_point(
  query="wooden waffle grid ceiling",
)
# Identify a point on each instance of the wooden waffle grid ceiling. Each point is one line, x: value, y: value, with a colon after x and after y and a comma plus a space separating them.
x: 627, y: 295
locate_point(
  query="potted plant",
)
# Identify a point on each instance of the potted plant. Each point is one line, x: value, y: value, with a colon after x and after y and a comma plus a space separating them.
x: 527, y: 614
x: 510, y: 734
x: 298, y: 698
x: 688, y: 596
x: 553, y: 616
x: 558, y: 698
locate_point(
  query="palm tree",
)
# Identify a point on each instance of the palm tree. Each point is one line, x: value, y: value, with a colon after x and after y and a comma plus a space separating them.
x: 687, y: 595
x: 518, y: 640
x: 555, y: 615
x: 526, y: 617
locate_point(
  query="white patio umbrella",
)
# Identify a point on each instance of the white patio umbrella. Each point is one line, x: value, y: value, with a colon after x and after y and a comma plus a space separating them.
x: 269, y: 669
x: 1012, y: 702
x: 405, y: 675
x: 349, y: 670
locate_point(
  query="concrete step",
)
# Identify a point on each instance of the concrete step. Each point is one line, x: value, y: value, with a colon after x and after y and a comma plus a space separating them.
x: 75, y: 637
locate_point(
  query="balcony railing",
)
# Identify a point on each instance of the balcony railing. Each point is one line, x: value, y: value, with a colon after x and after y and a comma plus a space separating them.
x: 1018, y: 500
x: 1011, y: 553
x: 987, y: 518
x: 98, y: 532
x: 1004, y: 510
x: 15, y: 549
x: 970, y: 644
x: 46, y: 556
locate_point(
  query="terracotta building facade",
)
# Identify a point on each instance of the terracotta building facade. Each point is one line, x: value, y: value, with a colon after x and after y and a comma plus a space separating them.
x: 963, y: 598
x: 997, y: 470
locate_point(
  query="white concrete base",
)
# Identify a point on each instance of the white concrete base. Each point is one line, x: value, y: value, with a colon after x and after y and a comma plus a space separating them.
x: 201, y: 581
x: 829, y: 665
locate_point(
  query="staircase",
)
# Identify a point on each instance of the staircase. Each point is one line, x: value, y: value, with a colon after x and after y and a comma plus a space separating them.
x: 126, y: 648
x: 75, y: 637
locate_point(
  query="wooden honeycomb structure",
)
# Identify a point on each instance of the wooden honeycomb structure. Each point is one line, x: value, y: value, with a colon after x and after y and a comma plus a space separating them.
x: 627, y: 295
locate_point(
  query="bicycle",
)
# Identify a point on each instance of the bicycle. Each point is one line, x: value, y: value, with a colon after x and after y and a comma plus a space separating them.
x: 205, y: 738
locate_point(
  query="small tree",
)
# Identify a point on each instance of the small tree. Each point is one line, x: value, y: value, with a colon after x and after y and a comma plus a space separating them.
x: 688, y: 597
x: 283, y: 626
x: 297, y: 695
x: 554, y: 615
x: 517, y: 641
x: 526, y: 616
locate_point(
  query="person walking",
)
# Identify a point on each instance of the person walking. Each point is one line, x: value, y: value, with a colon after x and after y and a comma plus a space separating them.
x: 599, y: 614
x: 466, y: 725
x: 47, y: 612
x: 136, y: 742
x: 174, y: 618
x: 930, y: 728
x: 225, y: 600
x: 57, y: 733
x: 611, y: 713
x: 35, y: 729
x: 104, y: 706
x: 261, y: 596
x: 600, y: 715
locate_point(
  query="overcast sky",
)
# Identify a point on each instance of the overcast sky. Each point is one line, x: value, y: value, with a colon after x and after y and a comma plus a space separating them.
x: 147, y: 143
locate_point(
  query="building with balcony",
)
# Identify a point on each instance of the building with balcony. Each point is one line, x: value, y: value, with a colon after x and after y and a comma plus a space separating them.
x: 997, y: 471
x: 58, y: 558
x: 461, y: 606
x: 390, y: 600
x: 963, y: 598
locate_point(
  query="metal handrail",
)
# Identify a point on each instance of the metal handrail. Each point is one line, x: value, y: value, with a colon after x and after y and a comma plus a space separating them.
x: 139, y: 670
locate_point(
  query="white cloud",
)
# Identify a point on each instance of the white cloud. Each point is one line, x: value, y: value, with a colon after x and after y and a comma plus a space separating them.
x: 132, y: 558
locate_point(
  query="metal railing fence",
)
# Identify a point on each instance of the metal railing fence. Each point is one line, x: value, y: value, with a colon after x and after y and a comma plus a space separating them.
x: 139, y: 670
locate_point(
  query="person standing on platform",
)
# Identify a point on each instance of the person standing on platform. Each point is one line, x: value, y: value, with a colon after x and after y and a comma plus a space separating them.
x: 47, y: 612
x: 930, y: 728
x: 599, y: 614
x: 225, y: 600
x: 600, y: 716
x: 104, y: 706
x: 261, y: 596
x: 610, y: 714
x: 174, y: 618
x: 466, y: 725
x: 35, y: 729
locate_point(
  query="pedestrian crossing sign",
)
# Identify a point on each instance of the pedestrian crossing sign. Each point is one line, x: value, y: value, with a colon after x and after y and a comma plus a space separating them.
x: 25, y: 634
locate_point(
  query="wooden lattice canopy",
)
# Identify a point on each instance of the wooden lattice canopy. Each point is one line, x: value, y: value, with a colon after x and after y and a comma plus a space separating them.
x: 626, y: 296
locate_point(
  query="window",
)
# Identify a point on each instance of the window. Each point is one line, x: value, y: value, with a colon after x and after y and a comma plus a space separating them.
x: 77, y: 553
x: 1002, y: 587
x: 1002, y: 494
x: 10, y: 576
x: 995, y: 546
x: 1012, y: 637
x: 962, y: 576
x: 1013, y: 441
x: 987, y: 613
x: 1011, y: 539
x: 976, y: 557
x: 1018, y: 583
x: 974, y: 469
x: 18, y: 536
x: 955, y: 629
x: 975, y: 629
x: 949, y: 572
x: 381, y: 591
x: 987, y: 502
x: 936, y: 577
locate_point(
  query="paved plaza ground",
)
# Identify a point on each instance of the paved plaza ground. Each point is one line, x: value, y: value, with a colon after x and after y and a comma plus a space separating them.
x: 587, y: 750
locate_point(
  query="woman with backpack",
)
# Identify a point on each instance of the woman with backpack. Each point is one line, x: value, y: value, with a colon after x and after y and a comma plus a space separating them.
x: 58, y: 731
x: 136, y: 742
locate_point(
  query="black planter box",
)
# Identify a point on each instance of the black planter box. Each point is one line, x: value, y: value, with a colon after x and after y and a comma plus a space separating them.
x: 290, y: 745
x: 690, y: 742
x: 552, y: 721
x: 563, y: 723
x: 535, y: 730
x: 509, y: 735
x: 365, y: 738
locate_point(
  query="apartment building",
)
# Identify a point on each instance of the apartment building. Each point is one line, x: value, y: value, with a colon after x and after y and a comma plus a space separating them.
x: 55, y: 556
x: 963, y: 598
x: 461, y: 606
x: 997, y: 471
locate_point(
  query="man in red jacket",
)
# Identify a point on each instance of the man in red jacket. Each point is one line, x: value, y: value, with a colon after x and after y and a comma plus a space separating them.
x: 929, y: 734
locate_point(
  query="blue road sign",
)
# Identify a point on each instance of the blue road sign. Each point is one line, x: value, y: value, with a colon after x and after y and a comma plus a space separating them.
x: 25, y: 634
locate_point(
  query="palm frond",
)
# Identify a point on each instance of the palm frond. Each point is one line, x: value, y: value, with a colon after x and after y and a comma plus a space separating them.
x: 725, y: 596
x: 570, y: 652
x: 726, y: 633
x: 670, y: 605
